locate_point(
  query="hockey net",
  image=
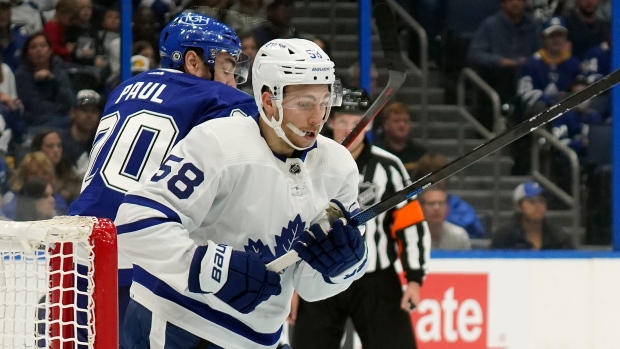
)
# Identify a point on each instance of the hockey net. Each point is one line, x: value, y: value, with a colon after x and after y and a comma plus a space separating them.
x: 58, y: 284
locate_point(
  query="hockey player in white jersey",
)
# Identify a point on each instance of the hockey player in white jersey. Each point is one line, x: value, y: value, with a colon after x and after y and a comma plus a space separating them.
x: 234, y: 195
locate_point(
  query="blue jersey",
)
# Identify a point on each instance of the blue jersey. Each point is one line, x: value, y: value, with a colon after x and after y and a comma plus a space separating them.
x: 541, y: 81
x: 12, y: 52
x: 572, y: 128
x: 597, y: 62
x: 143, y: 119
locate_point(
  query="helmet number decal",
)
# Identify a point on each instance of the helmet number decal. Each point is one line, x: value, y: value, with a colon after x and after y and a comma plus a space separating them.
x: 314, y: 54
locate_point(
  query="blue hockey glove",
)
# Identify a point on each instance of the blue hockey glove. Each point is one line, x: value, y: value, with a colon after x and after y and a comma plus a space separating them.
x: 240, y: 279
x: 334, y: 252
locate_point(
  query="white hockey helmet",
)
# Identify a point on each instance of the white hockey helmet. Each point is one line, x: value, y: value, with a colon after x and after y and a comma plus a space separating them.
x: 283, y: 62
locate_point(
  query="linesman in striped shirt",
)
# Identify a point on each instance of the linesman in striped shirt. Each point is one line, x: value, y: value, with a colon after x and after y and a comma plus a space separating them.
x: 377, y: 304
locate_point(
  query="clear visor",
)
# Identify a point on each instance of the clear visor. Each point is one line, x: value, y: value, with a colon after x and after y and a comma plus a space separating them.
x: 305, y: 103
x: 234, y: 65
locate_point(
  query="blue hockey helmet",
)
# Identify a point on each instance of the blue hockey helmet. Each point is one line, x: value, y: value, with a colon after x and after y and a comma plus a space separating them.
x: 195, y: 30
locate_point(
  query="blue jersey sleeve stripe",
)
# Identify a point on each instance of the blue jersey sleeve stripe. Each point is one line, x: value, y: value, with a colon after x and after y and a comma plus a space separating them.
x: 141, y: 224
x: 161, y: 289
x: 142, y: 201
x: 193, y: 282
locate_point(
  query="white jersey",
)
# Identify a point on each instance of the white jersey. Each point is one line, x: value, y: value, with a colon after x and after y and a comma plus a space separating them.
x: 222, y: 183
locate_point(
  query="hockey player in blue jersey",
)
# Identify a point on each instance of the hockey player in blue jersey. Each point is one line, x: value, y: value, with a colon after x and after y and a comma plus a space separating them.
x: 148, y: 114
x: 233, y: 195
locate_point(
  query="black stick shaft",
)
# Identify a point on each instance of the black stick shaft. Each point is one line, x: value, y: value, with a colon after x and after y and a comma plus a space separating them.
x: 489, y: 147
x: 395, y: 81
x: 388, y: 35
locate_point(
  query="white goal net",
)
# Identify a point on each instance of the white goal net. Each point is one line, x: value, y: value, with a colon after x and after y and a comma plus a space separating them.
x: 58, y: 284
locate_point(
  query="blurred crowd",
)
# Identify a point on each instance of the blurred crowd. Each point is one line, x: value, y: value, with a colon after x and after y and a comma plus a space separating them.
x: 61, y: 58
x: 533, y: 53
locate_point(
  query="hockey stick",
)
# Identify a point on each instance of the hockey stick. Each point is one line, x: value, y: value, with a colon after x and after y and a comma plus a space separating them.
x: 470, y: 158
x: 388, y: 34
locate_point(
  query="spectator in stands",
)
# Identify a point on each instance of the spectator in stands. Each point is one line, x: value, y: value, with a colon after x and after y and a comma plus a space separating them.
x: 11, y: 109
x: 86, y: 68
x: 545, y: 79
x: 571, y: 128
x: 548, y: 75
x: 245, y: 15
x: 12, y: 37
x: 35, y: 201
x: 596, y: 64
x: 109, y: 38
x: 140, y: 47
x: 28, y: 15
x: 110, y: 29
x: 8, y: 89
x: 542, y: 10
x: 83, y: 36
x: 529, y: 229
x: 7, y: 161
x: 146, y: 26
x: 604, y: 10
x: 55, y: 28
x: 67, y: 182
x: 145, y: 49
x: 139, y: 64
x: 33, y: 166
x: 79, y: 136
x: 460, y: 212
x: 278, y: 24
x: 43, y: 84
x: 249, y: 47
x: 397, y: 136
x: 503, y: 42
x: 585, y: 29
x: 444, y: 235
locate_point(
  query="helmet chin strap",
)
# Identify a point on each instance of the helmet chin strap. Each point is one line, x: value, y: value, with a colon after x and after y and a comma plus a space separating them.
x: 295, y: 129
x: 276, y: 125
x: 280, y: 133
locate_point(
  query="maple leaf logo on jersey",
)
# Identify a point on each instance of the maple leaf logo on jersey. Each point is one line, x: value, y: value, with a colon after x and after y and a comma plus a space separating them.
x: 284, y: 241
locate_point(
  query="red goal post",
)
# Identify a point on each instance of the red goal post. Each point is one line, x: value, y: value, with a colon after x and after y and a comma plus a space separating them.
x: 58, y: 284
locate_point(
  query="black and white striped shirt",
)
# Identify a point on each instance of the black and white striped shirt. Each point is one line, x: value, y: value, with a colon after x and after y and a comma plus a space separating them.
x: 381, y: 175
